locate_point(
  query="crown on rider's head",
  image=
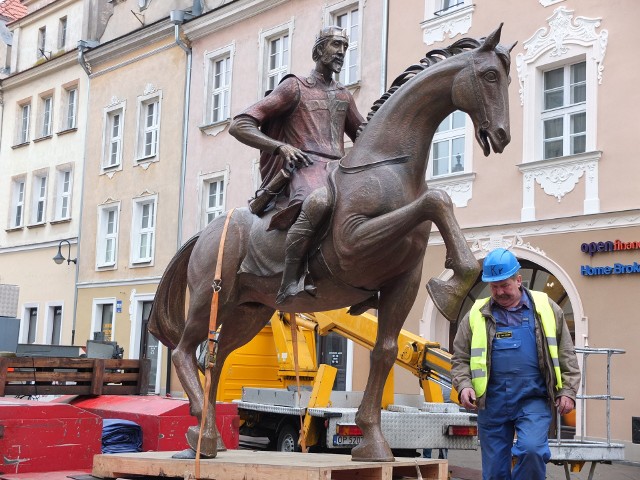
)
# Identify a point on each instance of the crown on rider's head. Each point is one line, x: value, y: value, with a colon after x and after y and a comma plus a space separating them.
x: 332, y: 31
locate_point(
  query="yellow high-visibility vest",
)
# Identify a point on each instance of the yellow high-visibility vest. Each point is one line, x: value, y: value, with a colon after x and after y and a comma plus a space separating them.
x: 478, y: 361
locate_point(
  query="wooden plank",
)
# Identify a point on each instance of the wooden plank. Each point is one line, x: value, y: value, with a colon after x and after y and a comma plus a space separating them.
x: 4, y: 364
x: 143, y: 376
x: 98, y: 377
x: 24, y: 389
x: 262, y: 465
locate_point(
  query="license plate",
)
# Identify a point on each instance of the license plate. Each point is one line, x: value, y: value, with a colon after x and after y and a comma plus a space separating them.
x: 346, y: 440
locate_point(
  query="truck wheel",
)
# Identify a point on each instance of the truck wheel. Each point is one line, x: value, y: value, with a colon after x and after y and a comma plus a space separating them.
x: 288, y: 439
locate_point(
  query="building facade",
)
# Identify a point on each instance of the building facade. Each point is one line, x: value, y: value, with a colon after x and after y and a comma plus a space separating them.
x: 561, y: 195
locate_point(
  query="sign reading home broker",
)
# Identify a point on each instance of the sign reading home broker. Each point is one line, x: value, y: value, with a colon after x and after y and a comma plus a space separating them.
x: 594, y: 248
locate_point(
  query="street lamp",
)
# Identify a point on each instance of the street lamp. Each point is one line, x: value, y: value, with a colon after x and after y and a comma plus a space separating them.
x: 59, y: 258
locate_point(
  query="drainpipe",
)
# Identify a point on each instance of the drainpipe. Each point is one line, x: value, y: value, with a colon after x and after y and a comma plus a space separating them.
x: 384, y: 45
x: 82, y: 46
x: 177, y: 18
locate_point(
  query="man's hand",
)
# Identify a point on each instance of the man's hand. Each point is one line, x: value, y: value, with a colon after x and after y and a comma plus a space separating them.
x: 468, y: 398
x: 294, y: 157
x: 564, y: 404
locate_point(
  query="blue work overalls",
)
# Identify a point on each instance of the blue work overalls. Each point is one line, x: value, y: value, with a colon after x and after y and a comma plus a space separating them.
x: 516, y: 402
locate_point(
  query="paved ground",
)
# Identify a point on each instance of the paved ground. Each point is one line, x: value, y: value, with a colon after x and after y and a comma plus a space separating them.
x: 466, y: 465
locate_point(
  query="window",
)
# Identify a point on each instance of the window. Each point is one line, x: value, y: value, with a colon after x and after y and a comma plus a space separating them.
x: 39, y: 199
x: 448, y: 146
x: 114, y: 128
x: 149, y: 125
x: 350, y: 21
x: 62, y: 33
x: 278, y: 60
x: 63, y: 195
x: 107, y: 240
x: 17, y: 203
x: 564, y: 114
x: 103, y: 320
x: 213, y: 199
x: 220, y: 86
x: 42, y: 41
x: 55, y: 315
x: 444, y: 6
x: 32, y: 324
x: 23, y: 123
x: 71, y: 109
x: 46, y: 116
x: 143, y: 230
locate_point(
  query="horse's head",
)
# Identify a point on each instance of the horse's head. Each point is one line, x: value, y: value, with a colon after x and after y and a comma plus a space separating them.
x: 480, y: 90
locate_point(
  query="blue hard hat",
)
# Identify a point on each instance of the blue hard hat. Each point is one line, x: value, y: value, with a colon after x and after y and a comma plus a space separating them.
x: 498, y: 265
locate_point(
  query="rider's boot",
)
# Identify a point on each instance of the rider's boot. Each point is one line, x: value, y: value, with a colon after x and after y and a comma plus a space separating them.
x: 299, y: 240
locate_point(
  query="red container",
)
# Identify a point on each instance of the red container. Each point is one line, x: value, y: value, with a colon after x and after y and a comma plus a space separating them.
x: 164, y: 421
x: 44, y: 437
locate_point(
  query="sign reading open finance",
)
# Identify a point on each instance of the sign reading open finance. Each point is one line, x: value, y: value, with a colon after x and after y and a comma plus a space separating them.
x: 609, y: 246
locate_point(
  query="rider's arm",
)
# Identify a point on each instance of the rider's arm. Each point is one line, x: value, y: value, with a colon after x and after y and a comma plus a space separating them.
x: 246, y: 129
x: 353, y: 120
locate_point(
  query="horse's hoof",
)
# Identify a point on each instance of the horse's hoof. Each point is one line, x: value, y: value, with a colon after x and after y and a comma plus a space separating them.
x: 372, y: 452
x: 446, y: 298
x: 187, y: 454
x: 208, y: 445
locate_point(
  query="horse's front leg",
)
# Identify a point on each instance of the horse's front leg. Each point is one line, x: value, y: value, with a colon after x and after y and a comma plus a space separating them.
x: 395, y: 302
x: 448, y: 296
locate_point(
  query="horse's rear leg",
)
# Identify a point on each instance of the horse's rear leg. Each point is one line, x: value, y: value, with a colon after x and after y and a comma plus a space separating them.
x: 448, y: 296
x: 239, y: 325
x: 395, y: 303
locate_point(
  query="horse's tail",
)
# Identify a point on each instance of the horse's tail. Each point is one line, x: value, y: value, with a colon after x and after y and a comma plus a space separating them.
x: 166, y: 321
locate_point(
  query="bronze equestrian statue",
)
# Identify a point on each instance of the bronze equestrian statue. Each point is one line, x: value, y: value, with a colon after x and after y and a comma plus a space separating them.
x: 373, y: 243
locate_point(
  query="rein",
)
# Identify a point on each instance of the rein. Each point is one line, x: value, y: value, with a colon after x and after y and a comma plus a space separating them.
x: 212, y: 336
x: 367, y: 166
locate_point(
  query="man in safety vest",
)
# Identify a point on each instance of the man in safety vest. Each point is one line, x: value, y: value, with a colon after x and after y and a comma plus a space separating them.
x: 514, y: 361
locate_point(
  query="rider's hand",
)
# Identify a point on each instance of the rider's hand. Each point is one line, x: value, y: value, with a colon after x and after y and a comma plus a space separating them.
x: 468, y: 398
x: 294, y: 157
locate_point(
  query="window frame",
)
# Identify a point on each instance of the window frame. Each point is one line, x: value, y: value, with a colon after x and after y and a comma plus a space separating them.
x: 224, y: 53
x: 450, y: 135
x: 566, y: 112
x: 50, y: 319
x: 17, y: 201
x: 23, y: 123
x: 143, y: 129
x: 46, y: 115
x: 138, y: 230
x: 108, y: 138
x: 204, y: 182
x: 39, y: 194
x: 354, y: 50
x: 63, y: 194
x: 69, y: 114
x: 62, y: 32
x: 264, y: 72
x: 25, y: 327
x: 42, y: 43
x: 97, y: 314
x: 103, y: 237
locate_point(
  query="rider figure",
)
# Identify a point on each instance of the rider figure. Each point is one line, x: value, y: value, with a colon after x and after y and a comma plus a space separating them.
x: 300, y: 126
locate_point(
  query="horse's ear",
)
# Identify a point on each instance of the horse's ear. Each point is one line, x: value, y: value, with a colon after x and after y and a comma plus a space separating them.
x: 492, y: 39
x: 512, y: 46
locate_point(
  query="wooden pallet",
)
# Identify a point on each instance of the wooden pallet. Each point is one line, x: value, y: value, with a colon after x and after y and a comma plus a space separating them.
x: 262, y: 465
x: 72, y: 376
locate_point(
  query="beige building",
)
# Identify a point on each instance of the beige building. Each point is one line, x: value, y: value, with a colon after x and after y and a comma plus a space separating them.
x: 44, y: 97
x: 134, y: 162
x: 562, y: 194
x: 239, y: 52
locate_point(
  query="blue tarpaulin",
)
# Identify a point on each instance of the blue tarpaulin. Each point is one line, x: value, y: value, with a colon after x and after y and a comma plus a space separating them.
x: 121, y: 436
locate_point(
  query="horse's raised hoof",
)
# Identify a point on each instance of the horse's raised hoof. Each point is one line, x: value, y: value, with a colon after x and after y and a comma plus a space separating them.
x: 187, y: 454
x: 208, y: 445
x: 446, y: 297
x: 372, y: 452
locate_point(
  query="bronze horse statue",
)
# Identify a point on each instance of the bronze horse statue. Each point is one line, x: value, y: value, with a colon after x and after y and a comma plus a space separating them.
x: 374, y: 243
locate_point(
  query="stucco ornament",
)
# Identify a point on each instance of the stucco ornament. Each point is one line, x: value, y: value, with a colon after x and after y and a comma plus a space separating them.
x: 562, y: 32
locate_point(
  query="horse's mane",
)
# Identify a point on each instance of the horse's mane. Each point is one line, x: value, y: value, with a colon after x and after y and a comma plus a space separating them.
x: 432, y: 57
